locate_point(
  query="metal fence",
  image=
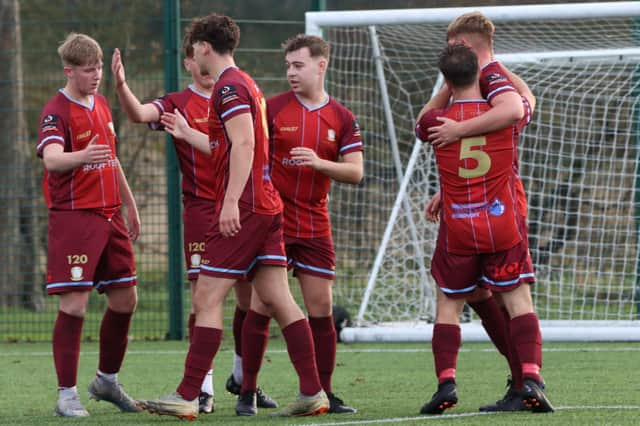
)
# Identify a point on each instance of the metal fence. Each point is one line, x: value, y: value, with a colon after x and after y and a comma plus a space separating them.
x: 31, y: 76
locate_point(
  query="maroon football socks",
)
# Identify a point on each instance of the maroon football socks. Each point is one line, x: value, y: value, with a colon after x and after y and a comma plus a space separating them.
x: 445, y: 345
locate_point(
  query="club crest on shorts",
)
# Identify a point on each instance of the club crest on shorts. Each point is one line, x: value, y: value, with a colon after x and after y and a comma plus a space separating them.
x: 195, y: 260
x: 76, y: 273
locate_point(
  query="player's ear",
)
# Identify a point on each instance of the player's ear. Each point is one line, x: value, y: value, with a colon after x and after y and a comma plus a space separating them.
x: 323, y: 64
x: 186, y: 62
x: 68, y: 71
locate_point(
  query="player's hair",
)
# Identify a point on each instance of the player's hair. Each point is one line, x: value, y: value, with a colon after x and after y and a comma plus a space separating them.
x: 472, y: 23
x: 317, y: 46
x: 79, y: 49
x: 459, y: 65
x: 187, y: 47
x: 218, y: 30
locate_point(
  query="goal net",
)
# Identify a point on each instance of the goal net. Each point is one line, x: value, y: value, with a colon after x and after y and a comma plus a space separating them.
x: 579, y: 159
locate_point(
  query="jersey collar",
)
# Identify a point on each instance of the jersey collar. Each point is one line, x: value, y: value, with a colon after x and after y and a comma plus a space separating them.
x: 89, y: 107
x: 310, y: 108
x: 194, y: 90
x: 225, y: 69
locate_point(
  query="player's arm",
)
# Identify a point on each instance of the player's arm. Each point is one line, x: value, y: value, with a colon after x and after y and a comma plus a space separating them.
x: 349, y: 170
x: 136, y: 111
x: 506, y: 110
x: 56, y: 160
x: 133, y: 217
x: 521, y: 86
x: 240, y: 131
x: 439, y: 100
x: 176, y: 125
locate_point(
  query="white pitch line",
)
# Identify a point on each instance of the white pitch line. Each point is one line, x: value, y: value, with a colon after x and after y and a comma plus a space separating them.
x: 369, y: 350
x: 453, y: 416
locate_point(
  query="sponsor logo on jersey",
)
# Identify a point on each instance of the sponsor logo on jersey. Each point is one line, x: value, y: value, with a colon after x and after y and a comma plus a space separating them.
x: 496, y: 208
x: 49, y: 122
x: 98, y: 166
x: 76, y: 273
x: 201, y: 120
x: 228, y: 94
x: 288, y: 129
x: 83, y: 135
x: 356, y: 128
x: 286, y: 161
x: 471, y: 210
x: 331, y: 135
x: 495, y: 78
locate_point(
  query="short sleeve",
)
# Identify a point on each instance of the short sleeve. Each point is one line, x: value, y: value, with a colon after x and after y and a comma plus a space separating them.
x: 428, y: 119
x: 494, y: 82
x: 162, y: 104
x: 231, y: 100
x: 52, y: 130
x: 351, y: 140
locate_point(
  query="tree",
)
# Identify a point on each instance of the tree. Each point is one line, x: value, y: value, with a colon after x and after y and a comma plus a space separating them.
x: 20, y: 282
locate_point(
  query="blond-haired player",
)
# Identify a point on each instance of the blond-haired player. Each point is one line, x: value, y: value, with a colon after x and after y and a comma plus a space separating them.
x: 89, y: 245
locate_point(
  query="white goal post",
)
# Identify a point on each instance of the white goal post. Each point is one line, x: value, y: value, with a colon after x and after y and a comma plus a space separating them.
x: 579, y: 163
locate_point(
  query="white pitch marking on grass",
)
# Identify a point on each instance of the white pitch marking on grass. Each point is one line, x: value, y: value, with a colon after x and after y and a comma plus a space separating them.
x: 366, y: 350
x: 453, y: 416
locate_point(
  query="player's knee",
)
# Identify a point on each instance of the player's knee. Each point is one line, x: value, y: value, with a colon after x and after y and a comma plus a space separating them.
x: 124, y: 302
x: 319, y: 308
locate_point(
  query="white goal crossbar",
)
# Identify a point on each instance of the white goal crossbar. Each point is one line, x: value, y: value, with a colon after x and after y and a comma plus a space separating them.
x: 315, y: 21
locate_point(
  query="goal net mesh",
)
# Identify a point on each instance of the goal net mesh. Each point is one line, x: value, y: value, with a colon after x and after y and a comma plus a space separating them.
x: 578, y: 161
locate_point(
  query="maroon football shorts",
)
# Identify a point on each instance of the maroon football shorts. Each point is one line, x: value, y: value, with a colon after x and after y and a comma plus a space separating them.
x: 311, y: 256
x: 88, y: 250
x: 458, y: 276
x: 259, y: 242
x: 197, y: 216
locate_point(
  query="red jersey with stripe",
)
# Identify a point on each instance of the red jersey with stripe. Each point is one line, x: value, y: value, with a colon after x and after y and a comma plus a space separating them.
x: 331, y: 130
x: 197, y: 173
x: 236, y: 93
x: 71, y: 124
x: 478, y: 184
x: 493, y: 82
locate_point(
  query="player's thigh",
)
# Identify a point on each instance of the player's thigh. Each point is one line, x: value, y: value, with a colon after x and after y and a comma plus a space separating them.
x: 210, y: 292
x: 448, y: 309
x: 479, y: 295
x: 518, y: 301
x: 272, y: 287
x: 243, y: 290
x: 317, y: 294
x: 258, y: 306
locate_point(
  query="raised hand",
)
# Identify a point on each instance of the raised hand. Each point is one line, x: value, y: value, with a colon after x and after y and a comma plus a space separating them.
x: 117, y: 67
